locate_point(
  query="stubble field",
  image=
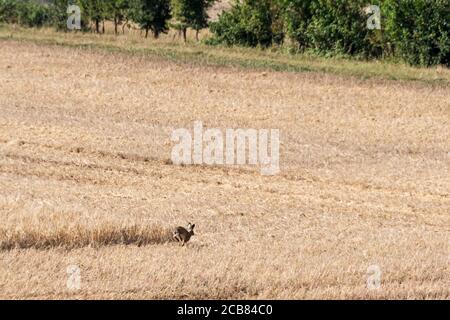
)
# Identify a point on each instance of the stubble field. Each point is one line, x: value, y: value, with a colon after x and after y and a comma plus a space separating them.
x: 86, y: 180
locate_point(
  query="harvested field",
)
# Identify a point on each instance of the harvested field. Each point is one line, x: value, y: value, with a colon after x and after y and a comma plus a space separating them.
x: 86, y: 180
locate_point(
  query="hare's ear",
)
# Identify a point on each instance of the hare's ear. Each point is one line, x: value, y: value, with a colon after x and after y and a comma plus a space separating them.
x: 192, y: 226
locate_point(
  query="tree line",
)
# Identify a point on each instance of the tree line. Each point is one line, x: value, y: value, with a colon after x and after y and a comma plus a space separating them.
x: 155, y: 16
x: 415, y: 31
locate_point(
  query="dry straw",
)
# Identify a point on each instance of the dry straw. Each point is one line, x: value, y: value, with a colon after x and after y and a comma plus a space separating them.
x: 79, y: 236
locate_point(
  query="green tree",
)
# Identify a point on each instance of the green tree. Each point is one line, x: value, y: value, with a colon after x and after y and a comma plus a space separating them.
x: 59, y: 14
x: 191, y: 14
x: 118, y: 12
x: 151, y: 15
x: 97, y: 11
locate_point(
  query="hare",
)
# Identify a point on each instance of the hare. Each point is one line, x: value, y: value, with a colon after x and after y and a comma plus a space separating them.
x: 183, y: 235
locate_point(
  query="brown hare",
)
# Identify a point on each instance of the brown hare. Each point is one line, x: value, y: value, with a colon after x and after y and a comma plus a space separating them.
x: 183, y: 235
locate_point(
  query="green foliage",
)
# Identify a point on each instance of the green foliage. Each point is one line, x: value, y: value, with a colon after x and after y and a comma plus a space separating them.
x: 191, y: 13
x: 419, y: 30
x: 59, y: 14
x: 340, y: 27
x: 8, y: 11
x: 416, y: 30
x: 332, y: 27
x: 118, y: 12
x: 96, y: 11
x: 151, y: 15
x: 33, y: 14
x: 92, y: 12
x: 248, y: 23
x: 298, y: 16
x: 27, y: 13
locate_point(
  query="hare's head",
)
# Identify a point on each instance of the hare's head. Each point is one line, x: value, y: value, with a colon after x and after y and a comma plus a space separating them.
x: 190, y: 228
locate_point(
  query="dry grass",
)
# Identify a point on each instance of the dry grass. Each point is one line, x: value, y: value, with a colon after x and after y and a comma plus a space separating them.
x: 84, y: 149
x: 77, y: 236
x: 170, y: 47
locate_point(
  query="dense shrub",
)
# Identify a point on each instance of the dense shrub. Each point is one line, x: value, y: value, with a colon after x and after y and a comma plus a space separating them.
x: 28, y: 13
x: 323, y: 25
x: 8, y: 11
x: 297, y: 15
x: 340, y: 27
x: 419, y: 30
x: 416, y: 30
x: 248, y: 23
x: 33, y: 14
x: 327, y: 26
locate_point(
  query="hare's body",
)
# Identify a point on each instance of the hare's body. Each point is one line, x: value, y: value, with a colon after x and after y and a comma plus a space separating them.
x: 183, y: 235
